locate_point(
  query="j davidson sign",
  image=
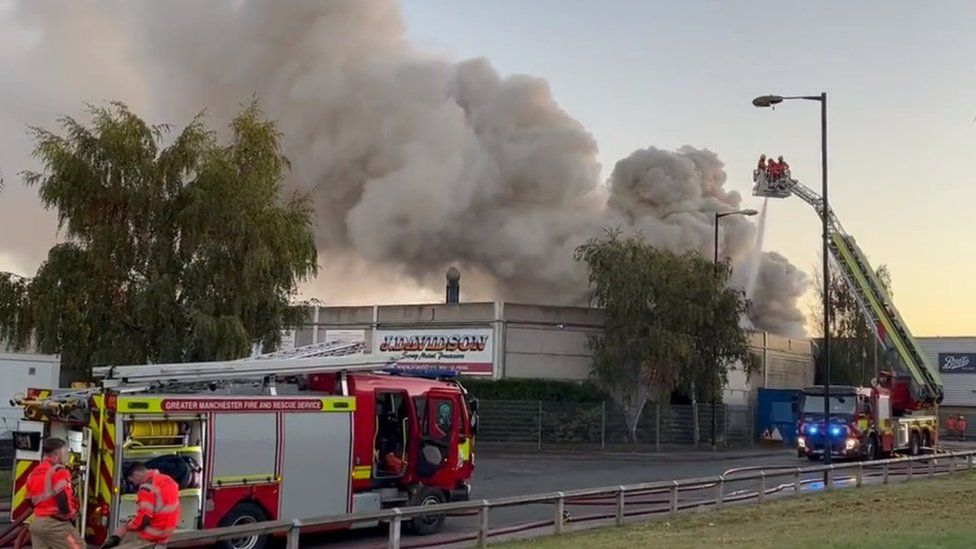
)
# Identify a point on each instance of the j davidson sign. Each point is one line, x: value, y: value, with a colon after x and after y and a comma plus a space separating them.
x: 466, y: 351
x: 957, y: 363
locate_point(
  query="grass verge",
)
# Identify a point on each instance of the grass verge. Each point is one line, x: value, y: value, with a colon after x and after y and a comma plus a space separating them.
x: 923, y: 513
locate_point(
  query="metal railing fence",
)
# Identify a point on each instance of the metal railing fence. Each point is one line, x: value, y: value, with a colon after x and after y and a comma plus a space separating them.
x: 631, y: 501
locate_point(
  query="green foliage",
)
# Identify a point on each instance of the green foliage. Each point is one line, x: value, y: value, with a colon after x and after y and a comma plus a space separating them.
x: 572, y: 423
x: 171, y: 253
x: 534, y: 389
x: 853, y: 349
x: 670, y: 321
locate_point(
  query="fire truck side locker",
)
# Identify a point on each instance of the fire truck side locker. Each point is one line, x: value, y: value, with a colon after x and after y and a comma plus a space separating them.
x: 307, y: 467
x: 317, y: 463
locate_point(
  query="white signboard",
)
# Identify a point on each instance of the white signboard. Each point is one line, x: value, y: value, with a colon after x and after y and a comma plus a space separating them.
x: 465, y: 351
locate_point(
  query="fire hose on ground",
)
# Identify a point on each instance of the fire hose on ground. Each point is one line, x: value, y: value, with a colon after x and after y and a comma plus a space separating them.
x: 16, y: 534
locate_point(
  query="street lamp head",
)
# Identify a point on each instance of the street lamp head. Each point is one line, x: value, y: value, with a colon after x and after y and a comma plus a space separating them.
x: 737, y: 212
x: 767, y: 100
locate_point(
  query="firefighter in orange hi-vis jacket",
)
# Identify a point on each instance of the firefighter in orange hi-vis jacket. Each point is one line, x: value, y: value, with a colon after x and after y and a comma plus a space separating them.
x: 49, y: 490
x: 157, y: 508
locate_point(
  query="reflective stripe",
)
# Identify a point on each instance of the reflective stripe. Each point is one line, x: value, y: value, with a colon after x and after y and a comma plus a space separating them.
x: 160, y: 506
x: 156, y: 532
x: 362, y: 472
x: 153, y: 488
x: 169, y: 508
x: 146, y: 505
x: 49, y: 490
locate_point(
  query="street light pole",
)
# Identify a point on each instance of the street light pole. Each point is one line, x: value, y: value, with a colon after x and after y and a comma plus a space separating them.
x: 714, y: 357
x: 824, y: 215
x: 769, y: 101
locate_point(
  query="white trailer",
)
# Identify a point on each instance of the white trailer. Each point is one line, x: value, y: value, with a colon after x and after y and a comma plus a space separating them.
x: 17, y: 372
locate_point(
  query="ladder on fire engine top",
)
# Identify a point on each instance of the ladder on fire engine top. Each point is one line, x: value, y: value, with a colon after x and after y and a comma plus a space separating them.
x: 331, y: 347
x: 861, y: 278
x: 252, y: 368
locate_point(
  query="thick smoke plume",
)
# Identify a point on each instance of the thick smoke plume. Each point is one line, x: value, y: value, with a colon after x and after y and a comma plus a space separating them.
x: 414, y: 162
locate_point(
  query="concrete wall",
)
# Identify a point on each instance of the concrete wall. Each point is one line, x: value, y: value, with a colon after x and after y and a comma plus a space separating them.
x: 550, y: 342
x: 547, y: 342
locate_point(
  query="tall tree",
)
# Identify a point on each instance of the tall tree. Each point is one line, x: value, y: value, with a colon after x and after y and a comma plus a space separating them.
x: 669, y: 320
x: 170, y: 253
x: 853, y: 347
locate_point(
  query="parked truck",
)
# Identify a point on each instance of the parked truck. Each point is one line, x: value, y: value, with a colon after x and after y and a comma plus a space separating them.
x: 17, y: 371
x: 257, y: 439
x: 898, y: 411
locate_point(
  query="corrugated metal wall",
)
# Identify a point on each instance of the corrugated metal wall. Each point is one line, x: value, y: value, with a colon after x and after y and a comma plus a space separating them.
x: 788, y: 371
x: 960, y: 389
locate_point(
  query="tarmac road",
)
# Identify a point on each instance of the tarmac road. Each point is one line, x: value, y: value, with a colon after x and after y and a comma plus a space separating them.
x: 502, y: 476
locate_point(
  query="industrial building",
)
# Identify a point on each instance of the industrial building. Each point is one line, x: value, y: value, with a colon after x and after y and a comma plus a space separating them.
x: 522, y: 341
x: 956, y: 360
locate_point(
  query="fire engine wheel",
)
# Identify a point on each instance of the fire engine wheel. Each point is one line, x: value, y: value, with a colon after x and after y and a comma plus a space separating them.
x: 428, y: 524
x: 914, y: 444
x: 241, y: 514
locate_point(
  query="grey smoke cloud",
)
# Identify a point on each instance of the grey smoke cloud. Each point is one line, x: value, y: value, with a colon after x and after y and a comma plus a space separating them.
x: 414, y: 162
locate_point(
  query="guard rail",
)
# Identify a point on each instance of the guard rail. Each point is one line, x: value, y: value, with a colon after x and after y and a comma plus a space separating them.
x: 942, y: 463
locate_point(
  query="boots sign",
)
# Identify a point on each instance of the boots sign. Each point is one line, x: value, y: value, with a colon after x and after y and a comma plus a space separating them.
x: 465, y: 351
x: 957, y: 363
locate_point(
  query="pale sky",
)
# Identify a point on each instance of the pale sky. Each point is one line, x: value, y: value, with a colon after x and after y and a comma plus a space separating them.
x: 900, y: 76
x: 901, y: 81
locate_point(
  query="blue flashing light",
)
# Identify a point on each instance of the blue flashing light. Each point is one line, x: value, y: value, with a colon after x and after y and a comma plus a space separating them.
x: 836, y: 430
x: 812, y: 429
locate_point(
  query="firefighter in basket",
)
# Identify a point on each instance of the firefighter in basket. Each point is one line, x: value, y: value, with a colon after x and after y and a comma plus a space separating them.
x: 784, y: 168
x: 772, y: 174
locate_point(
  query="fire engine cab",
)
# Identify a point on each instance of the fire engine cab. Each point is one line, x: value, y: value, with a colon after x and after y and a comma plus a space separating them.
x: 863, y: 423
x: 257, y: 439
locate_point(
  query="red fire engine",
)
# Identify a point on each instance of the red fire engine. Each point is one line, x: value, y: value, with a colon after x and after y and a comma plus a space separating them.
x: 899, y: 410
x: 258, y: 439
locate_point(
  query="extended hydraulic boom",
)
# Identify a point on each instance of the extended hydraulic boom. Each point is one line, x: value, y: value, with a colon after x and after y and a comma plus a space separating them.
x: 903, y: 352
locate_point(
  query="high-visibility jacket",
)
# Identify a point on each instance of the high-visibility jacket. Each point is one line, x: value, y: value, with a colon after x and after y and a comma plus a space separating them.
x: 49, y: 490
x: 157, y: 508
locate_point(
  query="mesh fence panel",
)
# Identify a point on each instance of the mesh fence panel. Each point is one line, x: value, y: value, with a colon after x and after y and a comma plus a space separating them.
x: 604, y: 423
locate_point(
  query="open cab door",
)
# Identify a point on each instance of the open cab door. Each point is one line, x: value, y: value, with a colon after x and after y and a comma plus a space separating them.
x: 437, y: 457
x: 439, y: 436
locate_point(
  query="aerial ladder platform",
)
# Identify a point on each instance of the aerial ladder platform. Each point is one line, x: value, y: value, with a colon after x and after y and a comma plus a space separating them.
x: 900, y: 347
